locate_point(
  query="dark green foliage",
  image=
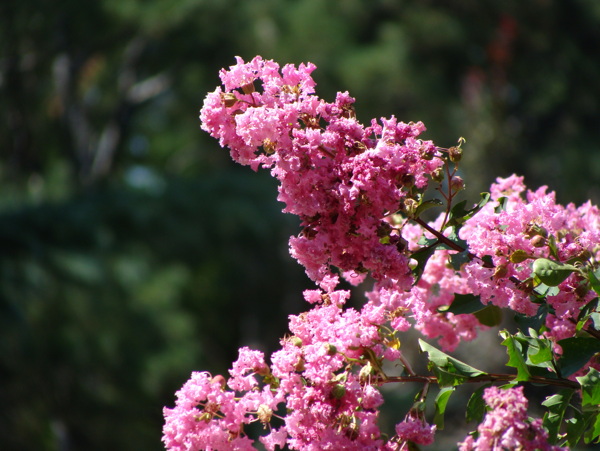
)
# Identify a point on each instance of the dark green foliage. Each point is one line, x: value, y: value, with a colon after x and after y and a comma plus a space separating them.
x: 132, y: 253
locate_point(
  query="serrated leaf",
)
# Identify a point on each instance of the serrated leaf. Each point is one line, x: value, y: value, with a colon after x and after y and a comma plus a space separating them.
x: 550, y: 272
x: 458, y: 259
x: 515, y: 356
x: 490, y: 315
x: 592, y: 435
x: 450, y: 371
x: 540, y: 352
x: 441, y: 401
x: 556, y: 404
x: 463, y: 303
x: 577, y: 351
x: 476, y: 406
x: 590, y: 388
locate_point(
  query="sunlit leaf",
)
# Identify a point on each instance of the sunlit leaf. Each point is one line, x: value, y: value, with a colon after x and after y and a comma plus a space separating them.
x: 441, y: 401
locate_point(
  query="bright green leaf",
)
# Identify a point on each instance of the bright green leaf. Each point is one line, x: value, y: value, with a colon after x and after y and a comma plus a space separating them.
x: 441, y: 401
x: 592, y: 435
x: 550, y: 272
x: 556, y: 404
x: 590, y: 388
x: 594, y: 278
x: 515, y: 354
x: 450, y: 371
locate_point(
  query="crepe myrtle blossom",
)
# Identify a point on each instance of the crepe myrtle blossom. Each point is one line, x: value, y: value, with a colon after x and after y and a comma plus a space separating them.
x: 357, y: 190
x: 507, y: 426
x: 341, y: 178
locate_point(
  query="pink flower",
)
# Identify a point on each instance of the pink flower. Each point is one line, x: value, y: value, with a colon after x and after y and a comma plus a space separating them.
x: 507, y: 426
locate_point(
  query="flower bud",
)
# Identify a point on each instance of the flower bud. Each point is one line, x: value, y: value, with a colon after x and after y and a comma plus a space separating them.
x: 519, y: 256
x: 248, y: 88
x: 338, y: 391
x: 296, y: 341
x: 538, y: 241
x: 409, y: 206
x: 331, y: 349
x: 437, y: 175
x: 500, y: 271
x: 581, y: 290
x: 264, y: 413
x: 220, y: 380
x: 229, y: 99
x: 455, y: 154
x: 457, y: 184
x: 535, y: 230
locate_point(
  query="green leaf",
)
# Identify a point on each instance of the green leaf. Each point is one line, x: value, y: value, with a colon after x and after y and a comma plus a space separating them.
x: 586, y: 312
x: 458, y: 214
x: 450, y: 371
x: 534, y: 322
x: 458, y: 259
x: 575, y: 427
x: 550, y: 272
x: 516, y: 357
x: 422, y: 256
x: 502, y: 201
x: 590, y: 388
x: 544, y: 290
x: 426, y: 205
x: 556, y: 404
x: 476, y: 406
x: 592, y: 435
x: 594, y: 278
x: 490, y: 315
x: 463, y: 303
x: 577, y: 351
x: 540, y: 352
x: 441, y: 401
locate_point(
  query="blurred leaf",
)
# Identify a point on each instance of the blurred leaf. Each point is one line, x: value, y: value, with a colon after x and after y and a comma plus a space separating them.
x: 577, y: 351
x: 441, y: 401
x: 476, y: 406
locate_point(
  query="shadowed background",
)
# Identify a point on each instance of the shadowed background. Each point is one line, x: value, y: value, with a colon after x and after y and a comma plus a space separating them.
x: 134, y: 251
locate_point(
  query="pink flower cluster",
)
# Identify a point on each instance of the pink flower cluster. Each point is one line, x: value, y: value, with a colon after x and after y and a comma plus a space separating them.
x: 341, y: 178
x: 529, y: 226
x: 319, y: 375
x: 507, y: 426
x: 356, y: 190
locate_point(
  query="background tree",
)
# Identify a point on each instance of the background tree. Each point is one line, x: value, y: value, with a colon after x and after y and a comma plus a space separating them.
x: 134, y: 250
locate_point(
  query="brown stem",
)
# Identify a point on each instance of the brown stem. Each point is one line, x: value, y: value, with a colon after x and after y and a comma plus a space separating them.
x: 484, y: 378
x: 441, y: 237
x: 448, y: 242
x: 592, y: 332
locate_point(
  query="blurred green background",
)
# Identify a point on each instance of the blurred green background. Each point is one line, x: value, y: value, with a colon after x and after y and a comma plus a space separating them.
x: 134, y: 251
